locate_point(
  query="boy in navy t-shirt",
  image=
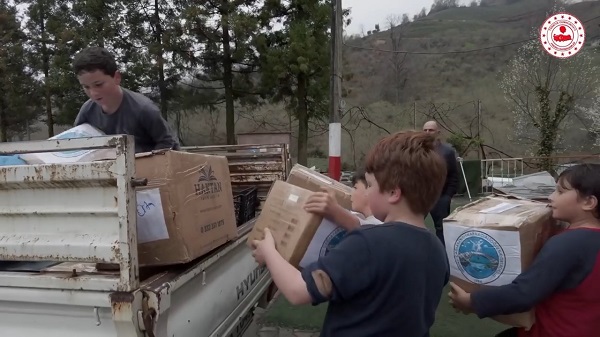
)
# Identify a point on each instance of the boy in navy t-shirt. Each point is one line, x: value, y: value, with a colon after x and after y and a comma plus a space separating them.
x: 383, y: 280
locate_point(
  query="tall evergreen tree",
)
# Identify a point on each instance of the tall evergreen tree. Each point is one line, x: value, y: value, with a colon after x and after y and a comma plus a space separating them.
x: 228, y: 60
x: 156, y: 49
x: 296, y: 61
x: 50, y: 36
x: 17, y: 86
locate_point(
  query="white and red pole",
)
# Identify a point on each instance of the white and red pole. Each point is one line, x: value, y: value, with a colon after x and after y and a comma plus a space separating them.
x: 335, y: 151
x: 335, y: 126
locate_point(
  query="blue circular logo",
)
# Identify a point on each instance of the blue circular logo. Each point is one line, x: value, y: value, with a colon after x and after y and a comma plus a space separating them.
x: 332, y: 240
x: 479, y: 257
x: 72, y: 153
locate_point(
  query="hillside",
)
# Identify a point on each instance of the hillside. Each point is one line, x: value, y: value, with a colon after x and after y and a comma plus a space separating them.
x: 383, y: 98
x: 455, y: 79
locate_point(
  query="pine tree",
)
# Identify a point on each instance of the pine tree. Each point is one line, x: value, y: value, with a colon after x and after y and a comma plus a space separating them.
x: 296, y: 61
x: 228, y: 60
x: 17, y: 87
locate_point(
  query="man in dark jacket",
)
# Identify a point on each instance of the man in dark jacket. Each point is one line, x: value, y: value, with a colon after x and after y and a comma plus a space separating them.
x: 442, y: 207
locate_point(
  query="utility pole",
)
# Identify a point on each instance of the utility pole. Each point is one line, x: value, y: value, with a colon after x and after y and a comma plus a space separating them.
x: 415, y: 115
x: 479, y: 128
x: 335, y: 125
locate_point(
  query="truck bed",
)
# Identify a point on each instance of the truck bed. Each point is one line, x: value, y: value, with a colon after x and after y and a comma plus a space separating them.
x: 58, y: 221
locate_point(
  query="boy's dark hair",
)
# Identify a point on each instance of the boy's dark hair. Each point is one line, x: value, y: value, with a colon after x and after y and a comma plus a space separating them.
x: 95, y: 58
x: 408, y: 160
x: 585, y: 180
x: 359, y: 176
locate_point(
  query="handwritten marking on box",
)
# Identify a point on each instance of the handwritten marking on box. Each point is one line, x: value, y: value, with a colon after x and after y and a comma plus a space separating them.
x: 151, y: 225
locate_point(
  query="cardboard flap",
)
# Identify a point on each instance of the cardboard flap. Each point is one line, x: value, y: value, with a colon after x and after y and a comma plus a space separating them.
x: 152, y: 153
x: 499, y: 212
x: 314, y: 181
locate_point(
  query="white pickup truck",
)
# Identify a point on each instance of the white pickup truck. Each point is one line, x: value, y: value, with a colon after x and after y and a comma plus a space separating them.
x: 58, y: 221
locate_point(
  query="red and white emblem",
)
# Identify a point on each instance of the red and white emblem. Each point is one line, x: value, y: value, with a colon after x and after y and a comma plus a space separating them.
x: 562, y: 35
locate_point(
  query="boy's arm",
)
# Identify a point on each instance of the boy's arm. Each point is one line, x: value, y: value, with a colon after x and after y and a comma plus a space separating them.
x: 324, y: 203
x: 553, y: 264
x: 339, y: 275
x: 82, y: 115
x: 287, y: 278
x: 158, y: 129
x: 343, y: 218
x: 344, y: 272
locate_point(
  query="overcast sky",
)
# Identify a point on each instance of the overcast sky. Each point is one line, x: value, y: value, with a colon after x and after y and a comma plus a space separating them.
x: 371, y: 12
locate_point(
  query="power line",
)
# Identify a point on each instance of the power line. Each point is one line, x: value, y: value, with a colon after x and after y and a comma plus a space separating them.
x: 450, y: 52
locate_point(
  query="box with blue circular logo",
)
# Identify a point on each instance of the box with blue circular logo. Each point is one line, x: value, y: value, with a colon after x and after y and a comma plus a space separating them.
x: 491, y: 241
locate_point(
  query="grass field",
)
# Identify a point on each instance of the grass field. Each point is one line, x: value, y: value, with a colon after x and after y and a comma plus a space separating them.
x: 448, y: 322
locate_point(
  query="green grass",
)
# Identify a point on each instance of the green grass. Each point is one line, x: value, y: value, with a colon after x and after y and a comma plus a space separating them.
x: 448, y: 323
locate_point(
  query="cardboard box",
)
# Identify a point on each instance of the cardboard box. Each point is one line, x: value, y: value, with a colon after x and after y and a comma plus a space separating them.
x: 327, y: 236
x: 315, y: 181
x: 292, y: 227
x: 491, y: 241
x: 186, y: 210
x: 74, y: 156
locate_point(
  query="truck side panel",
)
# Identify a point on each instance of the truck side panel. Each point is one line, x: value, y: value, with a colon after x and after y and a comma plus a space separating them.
x: 208, y: 299
x: 58, y: 313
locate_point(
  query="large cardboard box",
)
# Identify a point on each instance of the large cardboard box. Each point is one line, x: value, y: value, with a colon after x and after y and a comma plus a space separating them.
x: 315, y: 181
x: 327, y: 236
x: 491, y: 241
x: 292, y: 227
x: 186, y: 210
x: 74, y: 156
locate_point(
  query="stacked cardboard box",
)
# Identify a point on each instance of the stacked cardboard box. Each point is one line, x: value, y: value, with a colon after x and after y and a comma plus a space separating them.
x: 186, y: 210
x: 491, y: 241
x: 292, y: 227
x: 315, y: 182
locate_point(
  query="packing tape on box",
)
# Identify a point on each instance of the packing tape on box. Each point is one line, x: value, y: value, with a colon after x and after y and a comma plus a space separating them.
x: 293, y: 198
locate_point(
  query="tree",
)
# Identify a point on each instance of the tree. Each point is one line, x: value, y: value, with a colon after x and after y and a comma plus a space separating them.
x: 17, y: 87
x: 155, y: 49
x: 422, y: 14
x: 543, y: 91
x: 50, y: 42
x: 405, y: 19
x: 440, y: 5
x: 396, y: 79
x: 295, y: 62
x: 226, y: 30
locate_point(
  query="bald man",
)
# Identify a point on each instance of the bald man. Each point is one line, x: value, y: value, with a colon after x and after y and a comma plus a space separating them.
x: 442, y: 208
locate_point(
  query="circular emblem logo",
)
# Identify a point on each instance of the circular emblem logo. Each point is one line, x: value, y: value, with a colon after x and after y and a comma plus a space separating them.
x: 332, y: 240
x: 479, y: 257
x: 562, y: 35
x: 72, y: 153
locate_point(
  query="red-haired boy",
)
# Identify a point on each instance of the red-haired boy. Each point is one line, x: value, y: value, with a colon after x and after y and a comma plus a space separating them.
x: 381, y: 280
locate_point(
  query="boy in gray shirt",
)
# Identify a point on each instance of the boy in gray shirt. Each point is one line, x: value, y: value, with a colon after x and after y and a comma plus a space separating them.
x: 115, y: 110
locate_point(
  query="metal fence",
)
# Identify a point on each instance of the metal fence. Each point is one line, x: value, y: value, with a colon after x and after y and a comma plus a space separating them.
x: 500, y: 172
